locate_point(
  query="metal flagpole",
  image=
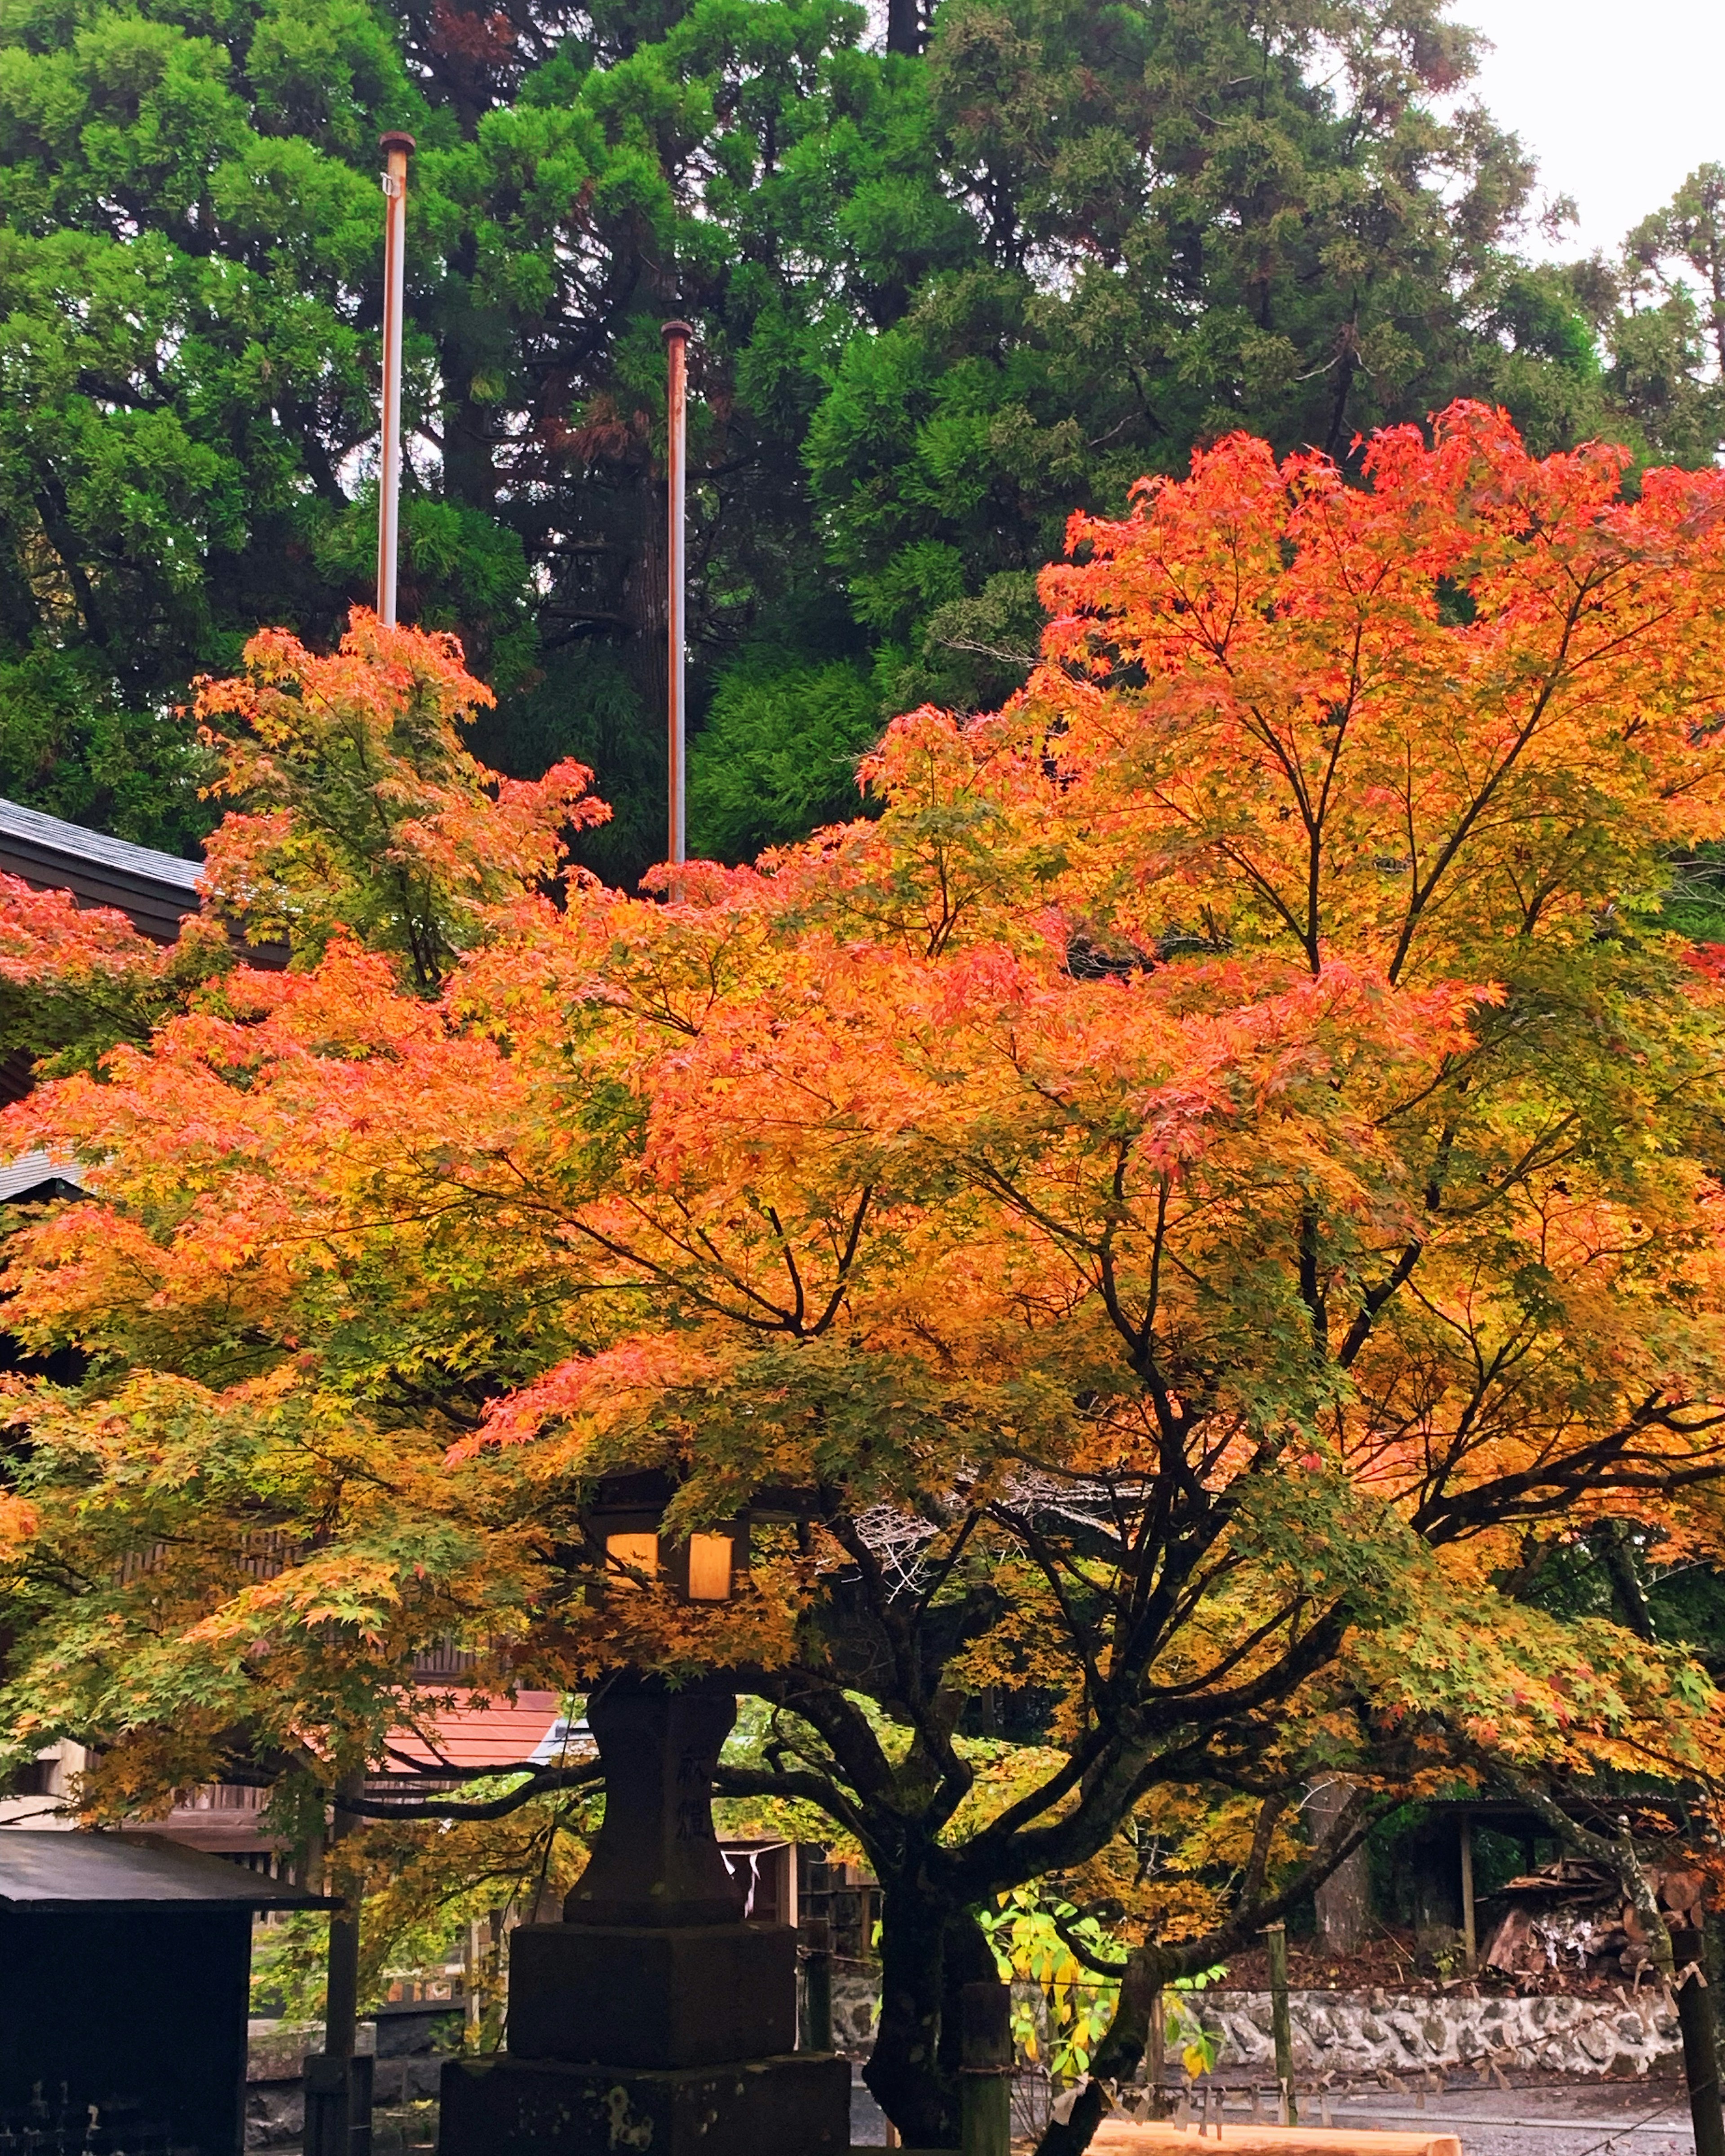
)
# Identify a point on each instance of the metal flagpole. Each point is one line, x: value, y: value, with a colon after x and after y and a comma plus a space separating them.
x: 395, y: 148
x: 676, y: 337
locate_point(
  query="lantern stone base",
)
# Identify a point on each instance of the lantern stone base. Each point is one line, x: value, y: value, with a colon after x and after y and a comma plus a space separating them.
x: 654, y: 2021
x: 797, y: 2105
x: 630, y: 1996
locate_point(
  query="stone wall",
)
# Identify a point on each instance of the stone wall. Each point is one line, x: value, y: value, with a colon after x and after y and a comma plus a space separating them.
x: 856, y: 2006
x: 1339, y: 2035
x: 409, y: 2060
x: 1348, y: 2034
x: 274, y: 2096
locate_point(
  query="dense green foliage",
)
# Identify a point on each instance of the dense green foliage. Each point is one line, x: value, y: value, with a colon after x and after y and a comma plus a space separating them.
x: 941, y: 299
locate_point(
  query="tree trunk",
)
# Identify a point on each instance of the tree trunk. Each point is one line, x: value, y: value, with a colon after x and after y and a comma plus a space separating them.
x: 1698, y: 2019
x: 465, y: 347
x: 1116, y: 2058
x: 1614, y: 1544
x: 1335, y: 441
x: 904, y: 27
x: 646, y: 604
x: 1344, y: 1901
x: 1713, y: 1964
x: 929, y: 1951
x: 469, y: 468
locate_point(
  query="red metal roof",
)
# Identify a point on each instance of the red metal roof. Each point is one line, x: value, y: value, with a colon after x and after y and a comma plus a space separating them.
x: 488, y: 1737
x: 491, y: 1736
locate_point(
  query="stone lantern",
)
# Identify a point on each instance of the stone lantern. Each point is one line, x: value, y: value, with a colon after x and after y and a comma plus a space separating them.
x: 654, y: 2017
x: 627, y: 1519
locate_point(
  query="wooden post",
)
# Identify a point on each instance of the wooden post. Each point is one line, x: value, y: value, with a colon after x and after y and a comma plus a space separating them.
x: 338, y: 2086
x: 338, y: 2106
x: 1469, y: 1929
x: 817, y: 1936
x: 471, y: 1955
x: 1276, y: 1938
x: 985, y: 2074
x: 1697, y: 2020
x: 341, y: 2013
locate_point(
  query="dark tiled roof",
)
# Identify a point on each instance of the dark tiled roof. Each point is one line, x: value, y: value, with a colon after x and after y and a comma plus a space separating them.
x: 38, y: 1175
x: 39, y: 1870
x: 157, y: 889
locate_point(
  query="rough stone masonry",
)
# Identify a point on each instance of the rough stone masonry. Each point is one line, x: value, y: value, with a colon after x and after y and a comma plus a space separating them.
x: 1350, y: 2034
x: 1354, y: 2035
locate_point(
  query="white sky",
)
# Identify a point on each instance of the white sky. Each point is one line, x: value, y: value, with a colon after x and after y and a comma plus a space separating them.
x: 1618, y: 100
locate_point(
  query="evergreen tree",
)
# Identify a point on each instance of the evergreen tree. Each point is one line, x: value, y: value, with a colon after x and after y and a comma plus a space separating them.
x: 1668, y: 338
x: 942, y: 292
x: 1185, y: 230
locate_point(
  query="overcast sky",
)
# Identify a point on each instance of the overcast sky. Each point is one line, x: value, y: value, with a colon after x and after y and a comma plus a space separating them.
x: 1617, y: 99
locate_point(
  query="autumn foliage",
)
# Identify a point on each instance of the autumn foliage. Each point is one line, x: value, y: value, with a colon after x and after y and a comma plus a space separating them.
x: 1182, y: 1209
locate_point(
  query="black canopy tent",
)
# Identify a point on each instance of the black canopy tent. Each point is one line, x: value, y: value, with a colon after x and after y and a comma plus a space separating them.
x: 125, y: 1966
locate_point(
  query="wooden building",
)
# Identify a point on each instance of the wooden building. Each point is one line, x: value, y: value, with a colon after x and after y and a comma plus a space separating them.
x: 124, y: 1969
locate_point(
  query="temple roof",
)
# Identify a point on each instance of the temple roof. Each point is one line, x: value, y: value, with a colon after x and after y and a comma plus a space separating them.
x: 36, y: 1175
x: 498, y: 1736
x: 44, y: 1869
x: 155, y: 889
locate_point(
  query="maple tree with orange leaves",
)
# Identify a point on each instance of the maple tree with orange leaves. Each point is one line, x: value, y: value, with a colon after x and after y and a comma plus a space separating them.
x: 1163, y: 1224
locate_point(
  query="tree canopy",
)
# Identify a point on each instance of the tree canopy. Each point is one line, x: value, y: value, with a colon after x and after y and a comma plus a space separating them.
x: 1163, y: 1225
x: 943, y: 293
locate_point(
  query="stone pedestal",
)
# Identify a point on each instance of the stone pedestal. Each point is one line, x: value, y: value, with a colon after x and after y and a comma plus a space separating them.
x: 653, y: 2017
x: 796, y: 2106
x: 638, y: 1996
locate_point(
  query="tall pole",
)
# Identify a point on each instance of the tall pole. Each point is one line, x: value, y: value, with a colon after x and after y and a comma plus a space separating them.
x: 676, y: 337
x: 395, y: 148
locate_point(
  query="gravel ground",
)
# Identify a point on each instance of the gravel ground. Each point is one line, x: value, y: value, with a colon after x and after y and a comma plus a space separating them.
x: 868, y: 2122
x: 1541, y: 2119
x: 1531, y: 2119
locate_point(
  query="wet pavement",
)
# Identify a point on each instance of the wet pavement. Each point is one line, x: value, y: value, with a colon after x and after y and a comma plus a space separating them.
x: 1549, y: 2117
x: 1540, y: 2118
